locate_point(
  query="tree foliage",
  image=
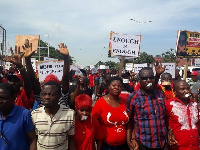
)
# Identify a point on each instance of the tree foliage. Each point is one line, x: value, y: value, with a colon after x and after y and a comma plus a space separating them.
x: 111, y: 64
x: 142, y: 58
x: 52, y: 52
x: 169, y: 56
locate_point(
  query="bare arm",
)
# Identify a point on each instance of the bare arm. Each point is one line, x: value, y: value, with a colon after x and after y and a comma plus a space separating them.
x: 33, y: 140
x: 99, y: 144
x: 65, y: 78
x: 28, y: 52
x: 75, y: 93
x: 17, y: 60
x: 131, y: 139
x: 71, y: 143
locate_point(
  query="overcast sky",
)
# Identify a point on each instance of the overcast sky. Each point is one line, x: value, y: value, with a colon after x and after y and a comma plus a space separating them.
x: 85, y: 25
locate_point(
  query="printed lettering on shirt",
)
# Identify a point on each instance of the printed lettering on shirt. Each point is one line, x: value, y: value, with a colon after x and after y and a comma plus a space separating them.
x: 118, y: 126
x: 180, y: 111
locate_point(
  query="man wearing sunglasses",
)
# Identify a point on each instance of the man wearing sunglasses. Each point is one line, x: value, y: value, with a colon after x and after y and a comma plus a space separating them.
x: 146, y: 109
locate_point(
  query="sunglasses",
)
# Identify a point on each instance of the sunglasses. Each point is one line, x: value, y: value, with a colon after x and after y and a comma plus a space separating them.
x: 146, y: 78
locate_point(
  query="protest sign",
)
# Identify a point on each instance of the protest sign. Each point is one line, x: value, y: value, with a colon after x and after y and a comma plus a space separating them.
x: 20, y: 41
x: 94, y: 70
x: 197, y: 62
x: 170, y: 68
x: 92, y: 66
x: 33, y: 63
x: 50, y: 67
x: 49, y: 59
x: 129, y: 66
x: 138, y: 67
x: 124, y: 45
x: 102, y: 67
x: 188, y: 44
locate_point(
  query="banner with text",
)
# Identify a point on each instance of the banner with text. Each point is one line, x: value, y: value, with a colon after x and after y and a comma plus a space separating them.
x: 188, y: 44
x: 124, y: 45
x: 170, y: 68
x: 129, y: 66
x: 138, y: 67
x: 50, y: 67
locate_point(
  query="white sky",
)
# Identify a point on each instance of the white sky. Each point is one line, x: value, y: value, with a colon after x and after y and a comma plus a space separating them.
x: 85, y: 25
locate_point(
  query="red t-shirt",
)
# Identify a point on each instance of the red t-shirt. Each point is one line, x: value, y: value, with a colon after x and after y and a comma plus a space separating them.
x: 183, y: 121
x: 167, y: 93
x: 22, y: 99
x: 85, y: 133
x: 112, y: 120
x: 91, y: 80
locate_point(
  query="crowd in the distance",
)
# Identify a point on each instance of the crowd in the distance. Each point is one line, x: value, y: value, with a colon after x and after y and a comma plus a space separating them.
x: 96, y: 111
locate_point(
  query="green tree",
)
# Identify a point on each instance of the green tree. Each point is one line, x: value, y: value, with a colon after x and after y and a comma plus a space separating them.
x: 144, y: 58
x: 111, y: 64
x: 169, y: 56
x: 52, y: 52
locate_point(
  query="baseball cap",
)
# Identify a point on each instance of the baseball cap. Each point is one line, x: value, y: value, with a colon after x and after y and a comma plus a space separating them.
x: 51, y: 77
x: 194, y: 73
x: 15, y: 76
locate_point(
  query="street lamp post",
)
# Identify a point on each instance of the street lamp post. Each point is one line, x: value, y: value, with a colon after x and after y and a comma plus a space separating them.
x: 140, y: 23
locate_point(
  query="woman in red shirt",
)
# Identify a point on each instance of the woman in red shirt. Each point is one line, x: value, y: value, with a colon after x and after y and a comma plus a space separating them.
x: 87, y: 128
x: 110, y: 111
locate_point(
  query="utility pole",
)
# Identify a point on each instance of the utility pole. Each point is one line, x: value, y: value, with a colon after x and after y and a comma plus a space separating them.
x: 3, y: 43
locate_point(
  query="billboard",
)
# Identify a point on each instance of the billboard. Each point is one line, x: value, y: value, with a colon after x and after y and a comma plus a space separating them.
x: 188, y: 44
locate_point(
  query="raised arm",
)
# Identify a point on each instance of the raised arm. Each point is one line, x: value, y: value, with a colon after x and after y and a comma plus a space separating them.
x: 159, y: 70
x: 16, y: 59
x: 65, y: 78
x: 28, y: 52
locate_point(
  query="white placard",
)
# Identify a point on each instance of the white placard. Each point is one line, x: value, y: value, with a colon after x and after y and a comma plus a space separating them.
x: 129, y: 66
x: 106, y: 67
x: 170, y: 68
x: 197, y: 62
x: 102, y: 67
x: 138, y: 67
x: 7, y: 65
x: 33, y: 63
x: 94, y: 70
x: 50, y: 67
x: 49, y: 59
x: 92, y: 66
x: 125, y: 45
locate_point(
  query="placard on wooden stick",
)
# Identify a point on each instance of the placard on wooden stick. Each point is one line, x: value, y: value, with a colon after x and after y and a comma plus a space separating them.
x: 20, y: 41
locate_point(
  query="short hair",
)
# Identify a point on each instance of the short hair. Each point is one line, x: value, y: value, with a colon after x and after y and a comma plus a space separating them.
x: 82, y: 101
x: 175, y: 83
x: 83, y: 72
x: 53, y: 83
x: 166, y: 73
x: 183, y: 33
x: 145, y: 68
x: 115, y: 78
x: 8, y: 87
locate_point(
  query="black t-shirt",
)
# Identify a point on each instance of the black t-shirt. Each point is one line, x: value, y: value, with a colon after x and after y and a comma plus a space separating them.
x: 86, y: 91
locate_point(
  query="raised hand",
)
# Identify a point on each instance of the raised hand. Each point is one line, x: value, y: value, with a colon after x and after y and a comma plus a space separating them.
x: 159, y: 69
x: 27, y: 48
x: 16, y: 57
x: 63, y: 49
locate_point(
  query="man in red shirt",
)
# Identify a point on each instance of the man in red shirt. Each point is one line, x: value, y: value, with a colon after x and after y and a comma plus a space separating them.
x: 183, y: 119
x: 21, y: 82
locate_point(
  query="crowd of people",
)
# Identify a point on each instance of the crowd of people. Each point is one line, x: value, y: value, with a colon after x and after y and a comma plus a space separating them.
x: 103, y: 111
